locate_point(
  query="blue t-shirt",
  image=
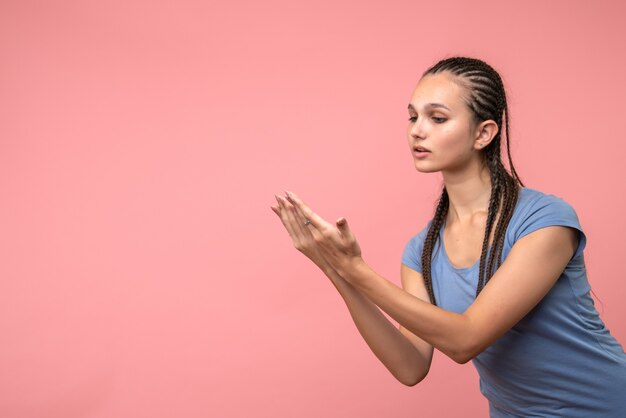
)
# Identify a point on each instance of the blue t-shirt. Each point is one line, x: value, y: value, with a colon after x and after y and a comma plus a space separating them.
x: 559, y: 360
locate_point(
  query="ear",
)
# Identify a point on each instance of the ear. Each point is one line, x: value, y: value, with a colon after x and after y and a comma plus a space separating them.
x: 485, y: 132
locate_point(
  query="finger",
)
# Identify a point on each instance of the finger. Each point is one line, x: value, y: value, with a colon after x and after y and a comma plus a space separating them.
x: 284, y: 217
x: 289, y: 215
x: 316, y: 233
x: 342, y: 224
x: 278, y: 210
x: 298, y: 220
x: 315, y: 219
x: 308, y: 229
x: 298, y: 235
x: 298, y: 223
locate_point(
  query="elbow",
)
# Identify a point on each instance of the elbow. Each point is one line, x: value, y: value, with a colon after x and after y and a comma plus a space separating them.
x: 468, y: 345
x: 411, y: 382
x: 465, y: 354
x: 461, y: 358
x: 412, y: 379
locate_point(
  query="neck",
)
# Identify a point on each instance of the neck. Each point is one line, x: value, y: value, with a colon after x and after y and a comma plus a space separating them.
x: 469, y: 193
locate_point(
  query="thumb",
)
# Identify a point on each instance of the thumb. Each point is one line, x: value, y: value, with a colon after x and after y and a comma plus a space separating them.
x: 342, y: 224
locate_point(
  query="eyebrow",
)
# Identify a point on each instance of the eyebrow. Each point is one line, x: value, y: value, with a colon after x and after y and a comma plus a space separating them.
x: 430, y: 105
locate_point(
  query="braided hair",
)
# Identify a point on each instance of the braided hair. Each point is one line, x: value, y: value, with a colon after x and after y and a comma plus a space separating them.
x: 486, y: 100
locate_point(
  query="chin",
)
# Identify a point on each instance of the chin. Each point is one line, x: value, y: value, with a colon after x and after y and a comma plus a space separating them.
x: 425, y: 169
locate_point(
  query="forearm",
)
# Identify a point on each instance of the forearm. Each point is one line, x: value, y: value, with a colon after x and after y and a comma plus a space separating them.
x: 449, y: 332
x: 405, y: 362
x: 406, y: 359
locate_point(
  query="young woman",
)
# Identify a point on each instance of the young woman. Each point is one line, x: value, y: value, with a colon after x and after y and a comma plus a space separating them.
x: 497, y: 276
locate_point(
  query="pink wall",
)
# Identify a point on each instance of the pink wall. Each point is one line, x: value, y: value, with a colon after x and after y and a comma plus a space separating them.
x: 142, y: 272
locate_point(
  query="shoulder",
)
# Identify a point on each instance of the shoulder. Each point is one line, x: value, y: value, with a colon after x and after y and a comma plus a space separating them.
x: 411, y: 256
x: 529, y: 197
x: 536, y: 209
x: 534, y: 205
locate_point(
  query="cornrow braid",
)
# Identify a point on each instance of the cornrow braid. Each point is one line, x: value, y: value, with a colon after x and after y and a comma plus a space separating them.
x: 486, y: 99
x: 431, y: 238
x: 494, y: 201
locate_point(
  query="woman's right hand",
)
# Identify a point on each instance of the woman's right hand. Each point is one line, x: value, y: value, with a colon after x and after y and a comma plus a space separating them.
x: 406, y: 356
x: 301, y: 236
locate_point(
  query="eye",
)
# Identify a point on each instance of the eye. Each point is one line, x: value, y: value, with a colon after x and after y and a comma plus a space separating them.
x: 439, y: 120
x: 412, y: 119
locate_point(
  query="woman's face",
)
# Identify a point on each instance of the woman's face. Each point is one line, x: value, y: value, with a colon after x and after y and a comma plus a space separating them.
x: 441, y: 123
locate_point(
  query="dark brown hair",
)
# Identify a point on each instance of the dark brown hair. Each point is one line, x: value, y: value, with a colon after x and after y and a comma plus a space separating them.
x: 486, y: 99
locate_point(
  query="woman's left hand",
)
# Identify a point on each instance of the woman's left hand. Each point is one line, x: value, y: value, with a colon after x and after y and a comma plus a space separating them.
x: 336, y: 242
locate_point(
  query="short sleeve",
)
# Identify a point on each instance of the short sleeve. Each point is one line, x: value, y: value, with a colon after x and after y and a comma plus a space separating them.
x: 412, y: 255
x: 550, y: 210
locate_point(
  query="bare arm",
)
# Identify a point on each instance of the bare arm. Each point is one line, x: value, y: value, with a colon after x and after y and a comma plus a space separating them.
x: 406, y: 356
x: 530, y: 270
x: 532, y: 267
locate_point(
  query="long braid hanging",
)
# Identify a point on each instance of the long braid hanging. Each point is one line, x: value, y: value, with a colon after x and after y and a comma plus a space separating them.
x: 487, y: 100
x: 432, y: 237
x: 509, y: 198
x: 494, y: 204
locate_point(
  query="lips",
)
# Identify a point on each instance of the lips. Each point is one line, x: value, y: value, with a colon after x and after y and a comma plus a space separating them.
x: 421, y: 149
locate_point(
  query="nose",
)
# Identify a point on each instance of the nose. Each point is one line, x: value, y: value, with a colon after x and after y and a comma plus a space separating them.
x: 416, y: 129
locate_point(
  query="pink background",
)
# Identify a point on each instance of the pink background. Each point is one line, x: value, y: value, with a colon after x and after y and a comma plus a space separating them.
x: 142, y: 271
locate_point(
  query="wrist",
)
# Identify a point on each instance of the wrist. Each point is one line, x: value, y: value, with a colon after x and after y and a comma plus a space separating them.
x: 353, y: 270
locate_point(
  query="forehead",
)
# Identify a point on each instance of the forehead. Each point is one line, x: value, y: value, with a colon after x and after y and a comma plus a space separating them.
x: 438, y: 88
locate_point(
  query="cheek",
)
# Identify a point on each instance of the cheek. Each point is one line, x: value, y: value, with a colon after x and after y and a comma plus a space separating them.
x: 455, y: 137
x: 450, y: 140
x: 454, y: 146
